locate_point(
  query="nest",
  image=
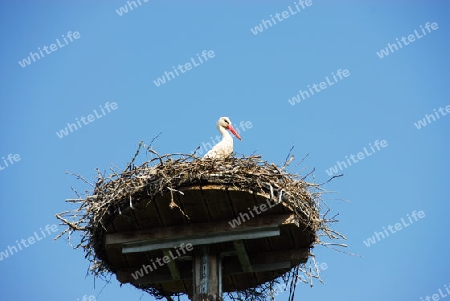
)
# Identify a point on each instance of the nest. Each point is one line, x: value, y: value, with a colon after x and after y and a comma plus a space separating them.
x: 165, y: 174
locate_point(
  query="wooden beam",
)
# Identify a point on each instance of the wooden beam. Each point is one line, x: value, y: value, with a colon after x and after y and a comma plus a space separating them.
x: 124, y: 276
x: 261, y: 262
x: 188, y: 230
x: 295, y: 256
x: 199, y: 239
x: 270, y: 266
x: 184, y: 258
x: 242, y: 256
x: 228, y: 253
x: 206, y: 275
x: 172, y: 265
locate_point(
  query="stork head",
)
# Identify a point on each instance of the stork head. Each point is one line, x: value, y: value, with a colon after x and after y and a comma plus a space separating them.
x: 225, y: 122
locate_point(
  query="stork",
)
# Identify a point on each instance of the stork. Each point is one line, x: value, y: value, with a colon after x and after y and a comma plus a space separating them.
x: 224, y: 148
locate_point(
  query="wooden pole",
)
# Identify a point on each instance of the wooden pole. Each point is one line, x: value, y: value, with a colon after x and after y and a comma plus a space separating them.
x: 206, y: 269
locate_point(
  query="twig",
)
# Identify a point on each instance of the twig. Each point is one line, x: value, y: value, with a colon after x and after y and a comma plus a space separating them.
x: 129, y: 166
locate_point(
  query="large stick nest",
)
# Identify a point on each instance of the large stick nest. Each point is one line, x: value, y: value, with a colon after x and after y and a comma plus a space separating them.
x: 161, y: 174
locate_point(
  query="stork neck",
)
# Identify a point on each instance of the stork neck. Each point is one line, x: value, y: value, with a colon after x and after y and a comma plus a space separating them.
x: 225, y: 134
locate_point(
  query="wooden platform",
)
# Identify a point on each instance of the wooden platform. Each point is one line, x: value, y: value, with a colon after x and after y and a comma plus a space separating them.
x: 258, y: 250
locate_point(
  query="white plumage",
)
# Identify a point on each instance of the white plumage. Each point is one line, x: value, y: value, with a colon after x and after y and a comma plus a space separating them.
x: 224, y: 148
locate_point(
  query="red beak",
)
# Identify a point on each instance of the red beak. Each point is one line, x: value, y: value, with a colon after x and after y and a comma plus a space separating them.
x: 231, y: 128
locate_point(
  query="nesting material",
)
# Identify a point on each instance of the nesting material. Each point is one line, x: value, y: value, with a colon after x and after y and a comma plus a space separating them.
x: 166, y: 174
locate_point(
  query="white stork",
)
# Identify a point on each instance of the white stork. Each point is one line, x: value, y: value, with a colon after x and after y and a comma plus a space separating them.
x: 224, y: 148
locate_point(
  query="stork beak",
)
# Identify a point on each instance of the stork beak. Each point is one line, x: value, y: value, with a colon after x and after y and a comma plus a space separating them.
x: 231, y: 128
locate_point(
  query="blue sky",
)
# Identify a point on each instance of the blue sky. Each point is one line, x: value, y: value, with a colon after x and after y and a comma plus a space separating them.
x: 251, y: 78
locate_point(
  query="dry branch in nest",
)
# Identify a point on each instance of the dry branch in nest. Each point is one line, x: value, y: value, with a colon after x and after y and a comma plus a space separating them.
x: 165, y: 174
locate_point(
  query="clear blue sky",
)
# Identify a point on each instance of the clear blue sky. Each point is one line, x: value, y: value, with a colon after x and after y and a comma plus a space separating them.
x: 250, y: 78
